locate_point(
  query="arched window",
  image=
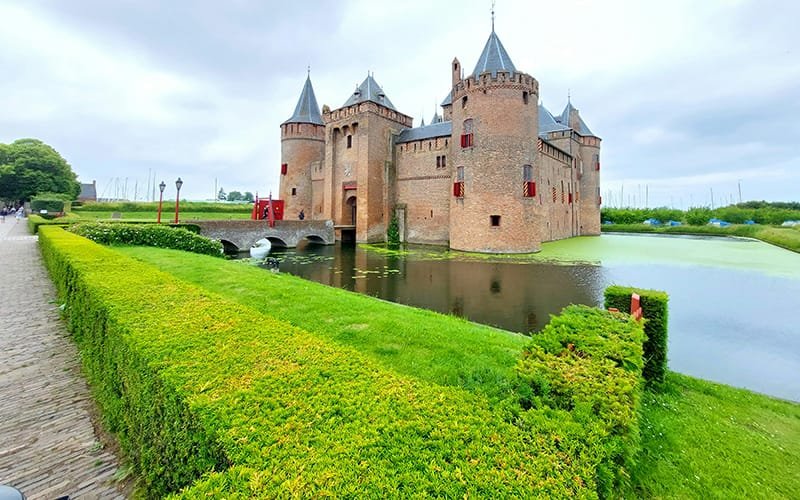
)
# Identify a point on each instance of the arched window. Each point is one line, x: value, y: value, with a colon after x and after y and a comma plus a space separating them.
x: 463, y: 102
x: 458, y: 185
x: 528, y: 186
x: 467, y: 138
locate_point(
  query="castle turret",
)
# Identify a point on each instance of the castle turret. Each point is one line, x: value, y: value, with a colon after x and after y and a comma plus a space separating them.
x: 585, y: 148
x: 495, y: 125
x: 302, y: 153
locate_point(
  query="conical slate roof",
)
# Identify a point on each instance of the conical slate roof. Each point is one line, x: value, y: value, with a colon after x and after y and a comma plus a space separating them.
x: 307, y: 109
x: 548, y: 123
x: 494, y: 58
x: 581, y: 127
x: 369, y: 90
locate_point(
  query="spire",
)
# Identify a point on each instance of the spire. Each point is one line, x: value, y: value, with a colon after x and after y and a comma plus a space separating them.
x: 572, y: 119
x: 494, y: 57
x: 492, y: 16
x: 369, y: 90
x: 307, y: 109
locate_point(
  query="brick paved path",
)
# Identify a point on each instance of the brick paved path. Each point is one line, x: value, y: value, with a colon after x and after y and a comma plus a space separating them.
x: 48, y: 447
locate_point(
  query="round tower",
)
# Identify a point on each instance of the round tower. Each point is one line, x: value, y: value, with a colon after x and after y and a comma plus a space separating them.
x: 302, y: 151
x: 495, y: 131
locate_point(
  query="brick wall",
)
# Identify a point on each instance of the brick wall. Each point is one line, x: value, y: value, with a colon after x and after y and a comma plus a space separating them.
x: 302, y: 150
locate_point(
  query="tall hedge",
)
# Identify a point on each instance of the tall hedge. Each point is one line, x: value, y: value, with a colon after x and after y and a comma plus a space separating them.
x: 216, y: 397
x: 585, y: 366
x: 654, y: 309
x: 153, y: 235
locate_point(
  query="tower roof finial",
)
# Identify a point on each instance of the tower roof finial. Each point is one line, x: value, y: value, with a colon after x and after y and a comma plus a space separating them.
x: 492, y: 16
x: 308, y: 68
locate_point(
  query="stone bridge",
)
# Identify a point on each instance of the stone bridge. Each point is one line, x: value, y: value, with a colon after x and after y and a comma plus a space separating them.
x: 240, y: 235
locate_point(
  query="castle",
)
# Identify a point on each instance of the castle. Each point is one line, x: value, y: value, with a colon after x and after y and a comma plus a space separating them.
x: 495, y: 173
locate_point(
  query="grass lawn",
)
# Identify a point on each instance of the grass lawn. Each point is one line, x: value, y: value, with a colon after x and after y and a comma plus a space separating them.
x: 166, y: 215
x: 785, y: 237
x: 700, y: 439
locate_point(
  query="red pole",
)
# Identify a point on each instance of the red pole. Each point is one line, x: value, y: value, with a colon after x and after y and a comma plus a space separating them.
x: 160, y: 201
x: 271, y: 213
x: 177, y: 204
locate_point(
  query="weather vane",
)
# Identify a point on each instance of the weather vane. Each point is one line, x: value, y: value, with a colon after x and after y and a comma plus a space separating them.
x: 492, y: 16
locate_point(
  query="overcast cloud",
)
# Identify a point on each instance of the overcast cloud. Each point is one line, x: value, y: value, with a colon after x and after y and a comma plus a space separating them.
x: 688, y: 96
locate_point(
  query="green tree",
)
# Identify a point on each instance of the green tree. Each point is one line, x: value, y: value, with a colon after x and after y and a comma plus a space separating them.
x: 235, y: 196
x: 29, y: 167
x: 248, y: 196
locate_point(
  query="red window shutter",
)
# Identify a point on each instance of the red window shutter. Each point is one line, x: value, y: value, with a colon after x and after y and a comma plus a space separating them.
x: 529, y: 189
x: 463, y: 140
x: 597, y: 165
x: 569, y: 198
x: 284, y: 168
x: 469, y: 140
x: 458, y: 189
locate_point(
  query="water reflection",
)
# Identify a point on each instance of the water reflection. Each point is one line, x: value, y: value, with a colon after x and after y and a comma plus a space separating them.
x: 730, y: 325
x: 516, y: 297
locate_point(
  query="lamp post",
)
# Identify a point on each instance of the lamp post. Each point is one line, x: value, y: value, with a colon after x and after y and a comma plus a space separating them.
x: 160, y: 199
x: 178, y: 185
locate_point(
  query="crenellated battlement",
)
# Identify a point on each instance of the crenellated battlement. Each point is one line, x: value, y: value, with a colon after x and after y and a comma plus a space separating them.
x: 500, y: 80
x: 367, y: 107
x: 302, y: 131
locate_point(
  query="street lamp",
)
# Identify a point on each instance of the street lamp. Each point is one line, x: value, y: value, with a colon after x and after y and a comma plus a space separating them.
x: 178, y: 185
x: 160, y: 199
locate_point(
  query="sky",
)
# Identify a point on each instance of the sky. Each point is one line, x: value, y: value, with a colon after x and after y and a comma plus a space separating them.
x: 689, y: 97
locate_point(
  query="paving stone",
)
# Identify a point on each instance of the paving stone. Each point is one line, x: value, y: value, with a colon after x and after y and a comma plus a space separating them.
x: 47, y: 442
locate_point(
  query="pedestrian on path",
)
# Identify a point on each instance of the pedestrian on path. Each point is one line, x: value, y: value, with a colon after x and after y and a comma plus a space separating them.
x: 3, y: 213
x: 20, y: 213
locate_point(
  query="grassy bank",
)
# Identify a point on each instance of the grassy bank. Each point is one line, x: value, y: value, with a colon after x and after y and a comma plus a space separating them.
x: 700, y: 439
x: 166, y: 216
x: 784, y: 237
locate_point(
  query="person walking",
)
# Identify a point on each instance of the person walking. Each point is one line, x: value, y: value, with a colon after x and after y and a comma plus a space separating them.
x: 3, y: 213
x: 20, y: 213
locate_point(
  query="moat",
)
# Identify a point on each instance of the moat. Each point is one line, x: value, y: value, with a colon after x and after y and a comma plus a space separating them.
x: 733, y: 303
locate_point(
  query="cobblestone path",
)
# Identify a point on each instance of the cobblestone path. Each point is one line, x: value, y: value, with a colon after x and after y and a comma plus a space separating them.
x: 48, y: 448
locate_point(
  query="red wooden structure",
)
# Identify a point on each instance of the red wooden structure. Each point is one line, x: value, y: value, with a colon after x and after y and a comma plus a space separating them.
x: 262, y: 210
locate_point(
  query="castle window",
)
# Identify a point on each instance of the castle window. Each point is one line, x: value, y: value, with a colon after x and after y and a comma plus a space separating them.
x: 528, y: 186
x: 349, y: 141
x: 596, y: 161
x: 464, y: 102
x: 458, y: 185
x: 525, y: 96
x: 441, y: 161
x: 284, y: 168
x: 494, y: 220
x: 294, y: 191
x: 467, y: 138
x: 599, y: 198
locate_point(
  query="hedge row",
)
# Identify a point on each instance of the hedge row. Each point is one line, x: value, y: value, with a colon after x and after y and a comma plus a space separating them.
x: 35, y: 220
x: 151, y: 235
x: 654, y: 309
x: 700, y: 216
x: 51, y: 205
x: 585, y: 366
x: 192, y: 383
x: 186, y: 206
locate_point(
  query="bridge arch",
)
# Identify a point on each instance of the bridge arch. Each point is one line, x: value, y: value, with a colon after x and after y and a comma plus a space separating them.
x: 277, y: 242
x: 229, y: 247
x: 313, y: 238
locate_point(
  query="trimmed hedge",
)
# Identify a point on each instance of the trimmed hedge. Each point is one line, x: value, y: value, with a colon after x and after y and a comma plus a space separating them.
x: 51, y: 205
x: 151, y: 235
x: 192, y: 383
x: 36, y: 220
x: 585, y: 366
x: 186, y: 206
x: 654, y: 310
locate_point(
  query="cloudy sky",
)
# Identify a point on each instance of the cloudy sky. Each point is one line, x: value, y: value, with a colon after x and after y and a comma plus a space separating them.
x: 688, y: 96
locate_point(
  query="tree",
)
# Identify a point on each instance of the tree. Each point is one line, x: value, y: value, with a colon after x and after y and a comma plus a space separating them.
x: 29, y: 167
x: 248, y: 196
x: 221, y: 196
x: 234, y: 196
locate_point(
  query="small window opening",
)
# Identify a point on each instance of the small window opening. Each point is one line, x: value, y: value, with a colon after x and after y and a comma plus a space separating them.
x: 494, y: 220
x: 294, y: 191
x: 464, y: 102
x: 431, y: 214
x: 349, y: 141
x: 525, y: 97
